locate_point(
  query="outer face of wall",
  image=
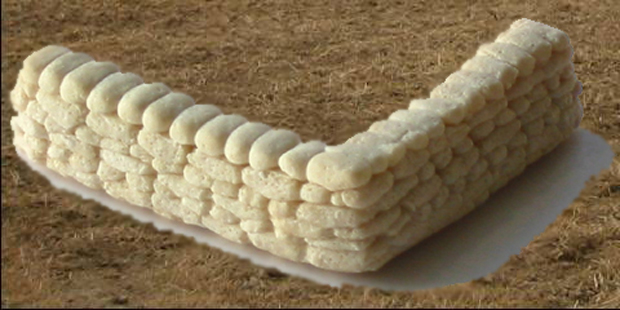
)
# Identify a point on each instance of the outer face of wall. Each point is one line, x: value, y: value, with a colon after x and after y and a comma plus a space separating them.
x: 350, y: 207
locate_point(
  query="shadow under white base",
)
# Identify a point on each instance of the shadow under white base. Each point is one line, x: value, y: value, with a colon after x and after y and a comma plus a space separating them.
x: 471, y: 248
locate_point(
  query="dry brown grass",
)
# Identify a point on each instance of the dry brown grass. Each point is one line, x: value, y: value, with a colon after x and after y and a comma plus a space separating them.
x: 326, y: 69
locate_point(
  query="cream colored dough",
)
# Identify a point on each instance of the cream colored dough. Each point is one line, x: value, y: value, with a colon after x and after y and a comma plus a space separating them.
x: 350, y: 207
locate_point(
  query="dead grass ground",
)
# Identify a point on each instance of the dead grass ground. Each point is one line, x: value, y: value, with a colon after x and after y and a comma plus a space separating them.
x: 326, y: 69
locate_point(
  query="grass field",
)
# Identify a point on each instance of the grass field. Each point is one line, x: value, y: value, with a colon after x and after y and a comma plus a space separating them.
x: 326, y: 69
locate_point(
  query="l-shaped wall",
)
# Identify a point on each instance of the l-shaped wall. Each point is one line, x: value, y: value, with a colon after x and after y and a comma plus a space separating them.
x: 349, y: 207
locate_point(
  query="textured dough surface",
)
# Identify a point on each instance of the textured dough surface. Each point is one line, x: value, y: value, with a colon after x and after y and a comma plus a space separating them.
x: 350, y: 207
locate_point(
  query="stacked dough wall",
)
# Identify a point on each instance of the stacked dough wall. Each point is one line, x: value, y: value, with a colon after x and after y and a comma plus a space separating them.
x: 350, y: 207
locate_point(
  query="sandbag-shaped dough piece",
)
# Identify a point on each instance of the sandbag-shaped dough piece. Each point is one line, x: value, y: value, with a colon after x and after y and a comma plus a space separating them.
x: 105, y: 96
x: 35, y: 111
x: 566, y: 86
x: 552, y: 115
x: 29, y: 126
x: 411, y: 163
x: 482, y: 130
x: 551, y: 83
x: 519, y: 105
x: 252, y: 198
x: 426, y: 121
x: 143, y: 183
x: 505, y: 117
x: 295, y: 161
x: 226, y: 189
x: 272, y: 184
x: 240, y: 209
x: 125, y: 163
x: 83, y: 163
x: 181, y: 187
x: 511, y: 55
x: 197, y: 176
x: 86, y: 135
x: 34, y: 145
x: 536, y: 46
x: 37, y: 61
x: 64, y: 114
x: 371, y: 138
x: 578, y: 89
x: 337, y: 244
x: 114, y: 145
x: 557, y: 38
x: 497, y: 155
x: 230, y: 232
x: 52, y: 76
x: 378, y: 158
x: 563, y: 102
x: 349, y: 261
x: 437, y: 145
x: 56, y: 152
x: 160, y: 114
x: 311, y: 192
x: 453, y: 171
x: 467, y: 95
x: 93, y: 181
x: 239, y: 143
x: 537, y: 76
x: 488, y: 112
x: 456, y: 134
x: 489, y: 86
x: 211, y: 137
x: 451, y: 111
x: 411, y: 136
x: 52, y: 125
x: 567, y: 71
x: 184, y: 127
x: 558, y: 61
x: 109, y: 125
x: 441, y: 158
x: 199, y: 207
x: 216, y: 168
x: 500, y: 136
x: 377, y: 226
x: 328, y: 216
x: 267, y: 149
x: 392, y: 148
x: 463, y: 146
x: 537, y: 109
x: 288, y: 247
x: 287, y: 226
x: 19, y: 99
x: 76, y: 86
x: 534, y: 127
x: 256, y: 227
x: 133, y: 104
x: 522, y: 87
x: 71, y: 143
x: 338, y: 171
x: 162, y: 147
x: 538, y: 92
x: 422, y: 193
x: 484, y: 64
x: 370, y: 193
x: 165, y: 166
x: 28, y: 89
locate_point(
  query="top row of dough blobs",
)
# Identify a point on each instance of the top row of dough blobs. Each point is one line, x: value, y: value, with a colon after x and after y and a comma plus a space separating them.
x: 80, y: 80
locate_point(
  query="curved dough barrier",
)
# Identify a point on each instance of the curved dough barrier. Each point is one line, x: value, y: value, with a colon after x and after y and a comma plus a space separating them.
x: 350, y: 207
